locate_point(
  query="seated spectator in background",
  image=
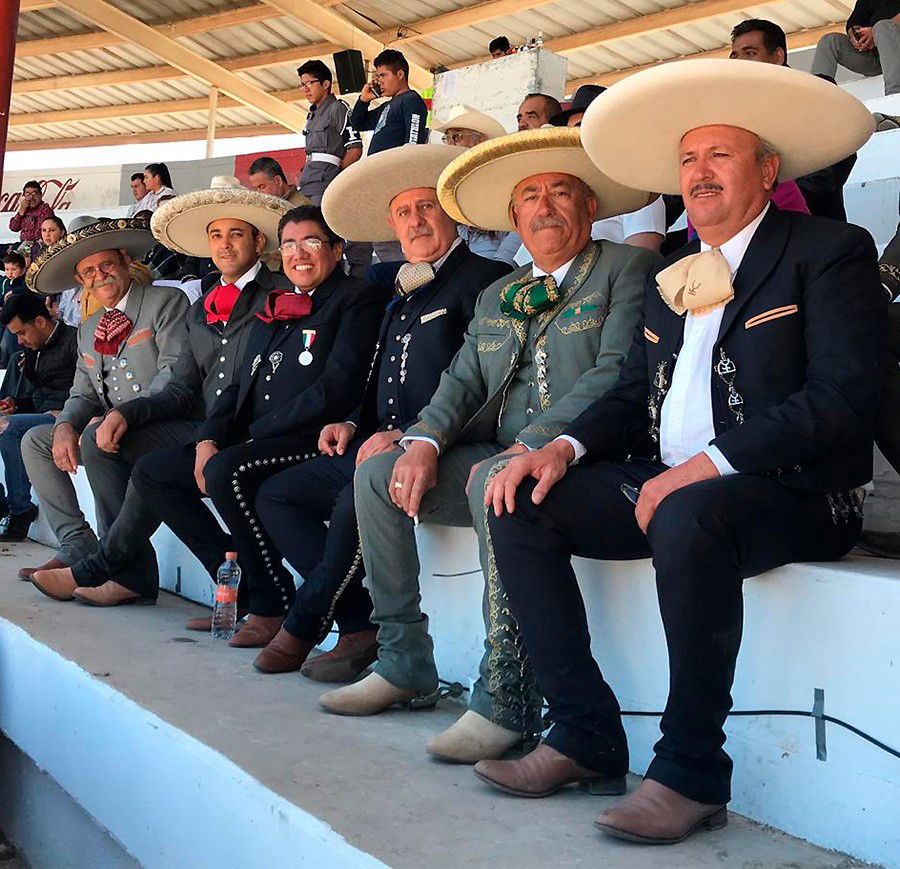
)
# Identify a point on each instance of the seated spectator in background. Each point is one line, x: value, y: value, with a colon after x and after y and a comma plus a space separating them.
x: 52, y: 230
x: 139, y: 191
x: 33, y: 211
x: 499, y: 47
x: 234, y: 230
x: 159, y: 187
x: 643, y: 228
x: 402, y: 121
x: 307, y: 358
x: 871, y: 45
x: 34, y: 390
x: 536, y: 111
x: 742, y: 423
x: 765, y: 42
x: 435, y: 297
x: 14, y: 275
x: 467, y: 127
x: 125, y: 349
x: 267, y: 176
x: 542, y: 340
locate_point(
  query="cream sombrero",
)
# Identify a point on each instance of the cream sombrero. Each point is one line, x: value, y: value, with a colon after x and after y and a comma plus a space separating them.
x: 633, y: 131
x: 356, y: 203
x: 475, y: 188
x: 180, y: 223
x: 467, y: 118
x: 54, y: 270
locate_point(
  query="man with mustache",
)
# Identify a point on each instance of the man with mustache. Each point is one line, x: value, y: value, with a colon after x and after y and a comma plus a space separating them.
x: 234, y: 227
x: 421, y: 331
x: 126, y: 349
x: 543, y: 340
x: 741, y: 424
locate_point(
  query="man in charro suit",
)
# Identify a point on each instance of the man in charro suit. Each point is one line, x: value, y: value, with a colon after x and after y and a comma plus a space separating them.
x: 235, y: 227
x: 126, y: 349
x: 741, y: 425
x: 423, y: 327
x: 543, y: 341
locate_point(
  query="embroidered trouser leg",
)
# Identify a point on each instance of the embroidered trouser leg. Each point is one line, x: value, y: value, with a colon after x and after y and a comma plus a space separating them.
x: 405, y: 655
x: 294, y: 507
x: 705, y: 539
x: 233, y: 477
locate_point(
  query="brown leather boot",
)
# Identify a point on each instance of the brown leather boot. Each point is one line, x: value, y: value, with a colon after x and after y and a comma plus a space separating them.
x: 284, y: 654
x: 352, y: 654
x: 543, y: 772
x: 57, y: 583
x: 53, y: 564
x: 257, y: 631
x: 111, y: 594
x: 204, y: 623
x: 654, y: 814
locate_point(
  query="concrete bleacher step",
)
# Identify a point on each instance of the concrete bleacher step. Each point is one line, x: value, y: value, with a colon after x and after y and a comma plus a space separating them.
x: 191, y: 759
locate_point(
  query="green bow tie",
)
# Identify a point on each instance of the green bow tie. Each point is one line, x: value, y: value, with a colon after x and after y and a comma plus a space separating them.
x: 523, y: 299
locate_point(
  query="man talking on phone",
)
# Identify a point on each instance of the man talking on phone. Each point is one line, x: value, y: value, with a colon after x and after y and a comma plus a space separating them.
x: 401, y: 121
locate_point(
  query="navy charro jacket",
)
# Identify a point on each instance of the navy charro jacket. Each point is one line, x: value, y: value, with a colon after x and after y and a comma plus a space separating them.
x: 795, y: 376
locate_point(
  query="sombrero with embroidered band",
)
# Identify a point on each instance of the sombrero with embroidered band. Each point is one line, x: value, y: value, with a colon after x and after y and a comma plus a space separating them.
x: 475, y: 189
x: 54, y: 270
x: 180, y: 223
x: 357, y: 202
x: 633, y: 133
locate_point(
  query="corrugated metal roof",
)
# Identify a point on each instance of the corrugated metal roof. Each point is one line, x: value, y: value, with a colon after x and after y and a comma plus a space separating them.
x: 247, y: 46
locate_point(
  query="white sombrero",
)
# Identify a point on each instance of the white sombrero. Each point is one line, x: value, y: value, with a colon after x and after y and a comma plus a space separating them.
x: 356, y: 203
x: 475, y: 189
x: 54, y: 270
x: 633, y: 131
x: 180, y: 223
x: 467, y: 118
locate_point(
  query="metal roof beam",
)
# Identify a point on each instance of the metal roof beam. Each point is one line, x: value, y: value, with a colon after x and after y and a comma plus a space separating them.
x: 109, y: 17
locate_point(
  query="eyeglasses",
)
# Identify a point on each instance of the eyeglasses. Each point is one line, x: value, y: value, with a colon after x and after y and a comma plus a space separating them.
x: 312, y: 245
x: 305, y: 85
x: 106, y: 267
x: 456, y: 137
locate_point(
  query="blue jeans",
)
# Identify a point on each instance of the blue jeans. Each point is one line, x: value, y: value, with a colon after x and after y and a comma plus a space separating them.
x: 18, y: 486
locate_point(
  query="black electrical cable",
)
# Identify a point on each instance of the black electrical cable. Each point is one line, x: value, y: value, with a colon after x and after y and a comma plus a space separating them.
x: 456, y: 689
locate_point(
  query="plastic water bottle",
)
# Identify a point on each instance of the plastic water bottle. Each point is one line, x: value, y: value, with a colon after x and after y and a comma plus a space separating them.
x: 225, y: 612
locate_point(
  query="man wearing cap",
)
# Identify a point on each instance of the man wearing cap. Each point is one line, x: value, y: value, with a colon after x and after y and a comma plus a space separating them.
x: 306, y: 360
x: 467, y: 127
x: 423, y: 328
x: 126, y: 349
x: 234, y: 227
x: 542, y: 342
x: 741, y: 425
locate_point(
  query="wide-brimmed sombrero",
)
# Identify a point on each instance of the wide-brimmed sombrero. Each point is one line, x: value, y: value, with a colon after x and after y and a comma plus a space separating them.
x: 634, y: 131
x: 475, y: 189
x: 180, y: 223
x: 54, y: 270
x: 467, y: 118
x: 357, y: 202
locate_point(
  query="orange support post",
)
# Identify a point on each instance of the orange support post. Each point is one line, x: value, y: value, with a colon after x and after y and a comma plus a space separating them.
x: 9, y: 23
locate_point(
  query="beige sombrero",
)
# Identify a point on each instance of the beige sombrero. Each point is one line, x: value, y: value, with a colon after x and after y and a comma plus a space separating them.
x: 180, y: 223
x: 54, y: 270
x: 467, y: 118
x: 356, y: 203
x: 475, y: 189
x: 633, y: 131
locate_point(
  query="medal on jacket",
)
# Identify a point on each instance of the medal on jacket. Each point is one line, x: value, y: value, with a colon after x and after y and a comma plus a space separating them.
x: 255, y: 364
x: 275, y: 360
x: 306, y: 357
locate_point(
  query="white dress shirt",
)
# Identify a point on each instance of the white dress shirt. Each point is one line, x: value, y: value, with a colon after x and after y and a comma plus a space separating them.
x: 686, y: 422
x: 246, y: 277
x: 559, y: 275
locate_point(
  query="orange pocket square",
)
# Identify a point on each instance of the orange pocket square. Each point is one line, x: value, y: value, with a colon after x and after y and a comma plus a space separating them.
x: 652, y: 337
x: 773, y: 314
x: 139, y: 337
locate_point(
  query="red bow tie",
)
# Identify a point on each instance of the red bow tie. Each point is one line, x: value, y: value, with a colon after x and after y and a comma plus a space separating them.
x: 114, y: 327
x: 219, y: 303
x: 285, y: 305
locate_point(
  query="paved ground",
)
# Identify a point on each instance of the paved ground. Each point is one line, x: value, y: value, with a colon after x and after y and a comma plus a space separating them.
x: 368, y: 778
